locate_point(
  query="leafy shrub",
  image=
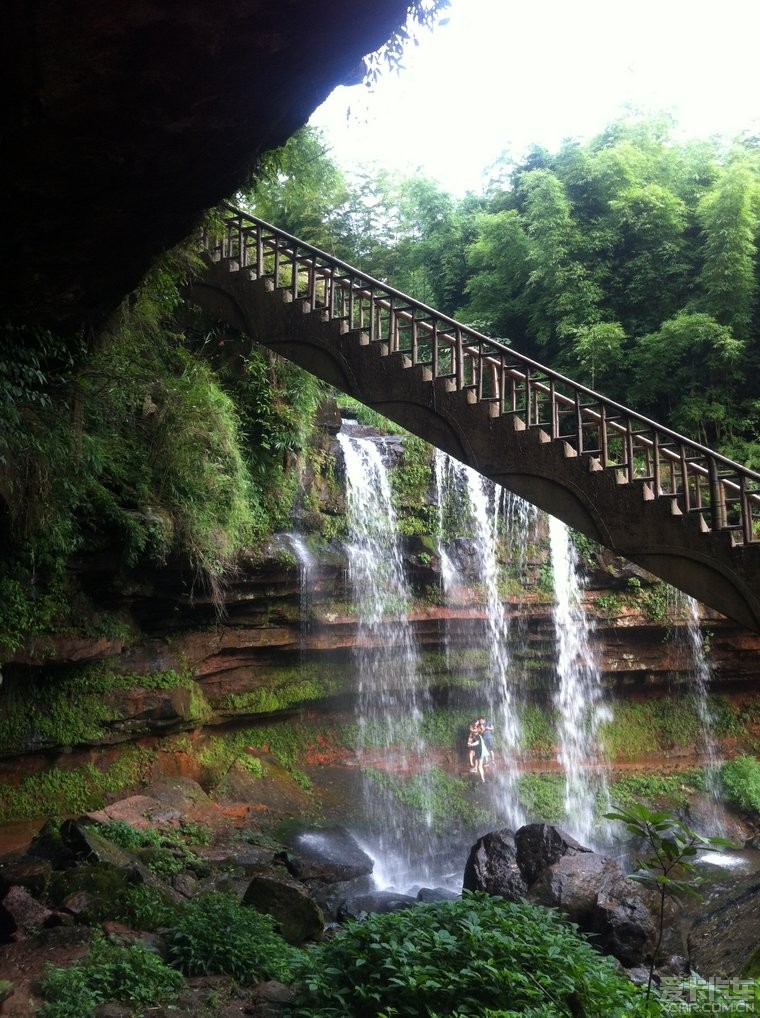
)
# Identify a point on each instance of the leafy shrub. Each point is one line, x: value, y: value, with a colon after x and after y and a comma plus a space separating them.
x: 216, y: 934
x: 110, y: 972
x: 741, y: 782
x: 469, y: 957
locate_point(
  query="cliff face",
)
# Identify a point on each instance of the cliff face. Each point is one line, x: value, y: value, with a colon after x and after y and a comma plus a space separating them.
x: 123, y: 123
x: 162, y: 684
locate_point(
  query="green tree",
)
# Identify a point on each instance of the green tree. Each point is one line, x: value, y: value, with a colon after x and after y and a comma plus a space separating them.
x: 598, y: 349
x: 728, y: 217
x: 688, y: 373
x: 498, y: 260
x: 648, y: 269
x: 562, y: 295
x: 302, y: 191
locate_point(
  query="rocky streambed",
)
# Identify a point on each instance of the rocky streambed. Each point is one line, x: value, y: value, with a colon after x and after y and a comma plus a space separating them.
x: 72, y: 884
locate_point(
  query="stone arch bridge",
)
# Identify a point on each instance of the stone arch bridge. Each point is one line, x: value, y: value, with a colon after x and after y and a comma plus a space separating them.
x: 678, y: 509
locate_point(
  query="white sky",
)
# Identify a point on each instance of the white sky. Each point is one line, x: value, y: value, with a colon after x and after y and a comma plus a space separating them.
x: 503, y: 74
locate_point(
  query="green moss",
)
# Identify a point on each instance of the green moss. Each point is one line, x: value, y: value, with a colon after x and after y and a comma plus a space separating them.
x: 252, y: 764
x: 271, y: 699
x: 740, y: 779
x: 73, y: 707
x: 55, y: 792
x: 289, y: 743
x: 542, y: 796
x: 537, y: 730
x: 410, y: 484
x: 436, y: 795
x: 668, y: 791
x: 661, y: 724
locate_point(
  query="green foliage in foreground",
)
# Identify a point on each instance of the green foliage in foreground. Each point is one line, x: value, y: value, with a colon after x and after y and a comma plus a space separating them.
x: 740, y: 779
x: 466, y: 957
x: 216, y: 934
x: 110, y: 972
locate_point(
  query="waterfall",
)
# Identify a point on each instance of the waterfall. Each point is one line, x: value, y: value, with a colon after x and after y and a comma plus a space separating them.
x: 481, y: 509
x: 691, y: 641
x: 308, y: 568
x: 391, y: 701
x: 578, y: 698
x: 702, y: 674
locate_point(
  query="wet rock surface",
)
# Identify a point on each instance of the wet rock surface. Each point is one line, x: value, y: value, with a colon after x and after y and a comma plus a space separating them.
x: 492, y: 867
x: 725, y: 939
x: 540, y: 845
x: 374, y: 902
x: 556, y: 871
x: 288, y: 902
x: 329, y: 855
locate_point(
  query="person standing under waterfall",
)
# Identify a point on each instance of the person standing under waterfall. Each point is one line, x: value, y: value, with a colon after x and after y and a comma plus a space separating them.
x: 482, y: 756
x: 486, y: 733
x: 473, y: 744
x: 479, y: 752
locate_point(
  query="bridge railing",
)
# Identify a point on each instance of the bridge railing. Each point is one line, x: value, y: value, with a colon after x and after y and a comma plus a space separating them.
x: 724, y: 494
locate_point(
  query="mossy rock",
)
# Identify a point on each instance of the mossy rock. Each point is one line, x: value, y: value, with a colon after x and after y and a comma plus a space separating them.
x: 102, y: 882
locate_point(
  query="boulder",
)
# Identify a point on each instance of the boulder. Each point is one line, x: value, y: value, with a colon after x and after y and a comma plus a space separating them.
x: 572, y: 884
x: 33, y: 874
x: 624, y: 919
x: 492, y: 867
x: 330, y: 897
x: 47, y: 845
x: 86, y: 845
x: 430, y: 894
x: 329, y: 855
x: 594, y: 893
x: 291, y: 906
x: 541, y: 845
x: 550, y: 868
x: 271, y: 1000
x: 374, y: 902
x: 23, y: 914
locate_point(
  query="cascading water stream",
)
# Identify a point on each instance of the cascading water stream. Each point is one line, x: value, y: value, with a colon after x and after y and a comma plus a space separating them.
x: 392, y: 703
x: 578, y: 699
x: 308, y: 567
x: 482, y: 505
x: 691, y: 643
x: 702, y: 674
